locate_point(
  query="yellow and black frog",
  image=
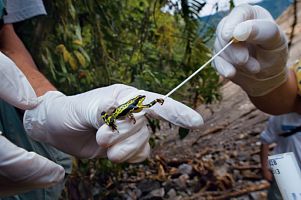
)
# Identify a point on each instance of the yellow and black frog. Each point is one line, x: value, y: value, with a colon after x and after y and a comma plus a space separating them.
x: 127, y: 109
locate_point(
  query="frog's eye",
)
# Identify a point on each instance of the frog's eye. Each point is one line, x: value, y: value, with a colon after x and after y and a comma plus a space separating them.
x: 103, y: 113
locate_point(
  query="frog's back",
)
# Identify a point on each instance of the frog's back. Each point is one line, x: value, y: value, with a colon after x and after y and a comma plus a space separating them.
x: 124, y: 109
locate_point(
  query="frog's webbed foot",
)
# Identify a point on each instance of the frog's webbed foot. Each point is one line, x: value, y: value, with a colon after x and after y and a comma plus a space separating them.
x: 131, y: 116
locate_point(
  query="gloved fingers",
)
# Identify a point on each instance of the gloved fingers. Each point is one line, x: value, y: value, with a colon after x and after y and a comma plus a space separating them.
x: 236, y: 53
x: 22, y: 167
x: 227, y: 70
x: 262, y: 32
x: 240, y: 14
x: 141, y: 155
x: 14, y: 87
x: 128, y: 149
x: 107, y: 137
x: 252, y: 66
x: 223, y: 67
x: 261, y: 13
x: 82, y: 145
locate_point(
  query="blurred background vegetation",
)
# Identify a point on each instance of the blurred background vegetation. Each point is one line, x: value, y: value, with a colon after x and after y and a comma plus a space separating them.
x: 85, y: 44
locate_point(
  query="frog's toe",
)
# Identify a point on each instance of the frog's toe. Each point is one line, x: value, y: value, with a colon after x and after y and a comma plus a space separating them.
x: 161, y: 101
x: 114, y: 128
x: 133, y: 119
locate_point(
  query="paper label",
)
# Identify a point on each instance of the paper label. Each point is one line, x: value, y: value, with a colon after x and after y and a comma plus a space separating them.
x: 287, y: 175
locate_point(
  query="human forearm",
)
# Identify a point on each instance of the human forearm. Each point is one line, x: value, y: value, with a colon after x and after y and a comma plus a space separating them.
x: 264, y: 151
x: 283, y: 99
x: 12, y: 46
x: 266, y: 173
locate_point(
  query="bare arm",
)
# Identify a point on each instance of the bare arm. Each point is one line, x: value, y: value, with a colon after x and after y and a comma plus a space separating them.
x: 12, y: 46
x: 283, y: 99
x: 266, y: 173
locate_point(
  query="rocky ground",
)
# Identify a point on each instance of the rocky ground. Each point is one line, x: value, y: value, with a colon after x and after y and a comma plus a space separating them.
x: 219, y: 161
x: 226, y: 148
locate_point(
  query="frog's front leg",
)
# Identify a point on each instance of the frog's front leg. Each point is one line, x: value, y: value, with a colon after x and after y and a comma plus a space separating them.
x: 114, y: 127
x: 131, y: 116
x: 111, y: 122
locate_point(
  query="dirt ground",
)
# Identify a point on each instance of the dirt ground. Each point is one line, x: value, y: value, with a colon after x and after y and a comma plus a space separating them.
x: 225, y: 152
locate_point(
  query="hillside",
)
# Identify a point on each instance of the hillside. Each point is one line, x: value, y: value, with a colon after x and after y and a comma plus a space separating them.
x: 285, y: 21
x: 276, y: 8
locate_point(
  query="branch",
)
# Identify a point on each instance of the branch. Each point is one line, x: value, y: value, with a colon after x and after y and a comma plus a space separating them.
x: 293, y: 25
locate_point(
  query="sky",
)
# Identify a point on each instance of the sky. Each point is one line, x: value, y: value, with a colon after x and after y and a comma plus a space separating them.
x: 210, y: 7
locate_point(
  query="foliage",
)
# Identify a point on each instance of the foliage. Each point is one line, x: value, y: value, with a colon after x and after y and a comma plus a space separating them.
x: 88, y: 182
x: 93, y: 43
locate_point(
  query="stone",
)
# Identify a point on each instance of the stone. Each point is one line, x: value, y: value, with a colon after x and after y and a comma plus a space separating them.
x: 258, y: 195
x: 181, y: 182
x: 156, y: 194
x: 147, y: 186
x: 172, y: 193
x: 185, y: 169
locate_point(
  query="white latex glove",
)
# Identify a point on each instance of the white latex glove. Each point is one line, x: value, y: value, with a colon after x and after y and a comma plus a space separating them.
x: 73, y: 124
x: 14, y: 87
x: 258, y: 62
x: 21, y: 171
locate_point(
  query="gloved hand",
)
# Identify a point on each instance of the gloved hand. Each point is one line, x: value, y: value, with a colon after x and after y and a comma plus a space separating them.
x: 14, y: 87
x: 73, y: 124
x: 258, y: 62
x: 22, y: 171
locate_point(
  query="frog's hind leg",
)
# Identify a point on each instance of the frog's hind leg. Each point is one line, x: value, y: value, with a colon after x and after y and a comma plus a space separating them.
x: 131, y: 116
x: 161, y: 101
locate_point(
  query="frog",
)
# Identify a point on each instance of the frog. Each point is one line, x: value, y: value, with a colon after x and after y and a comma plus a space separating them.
x: 127, y: 109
